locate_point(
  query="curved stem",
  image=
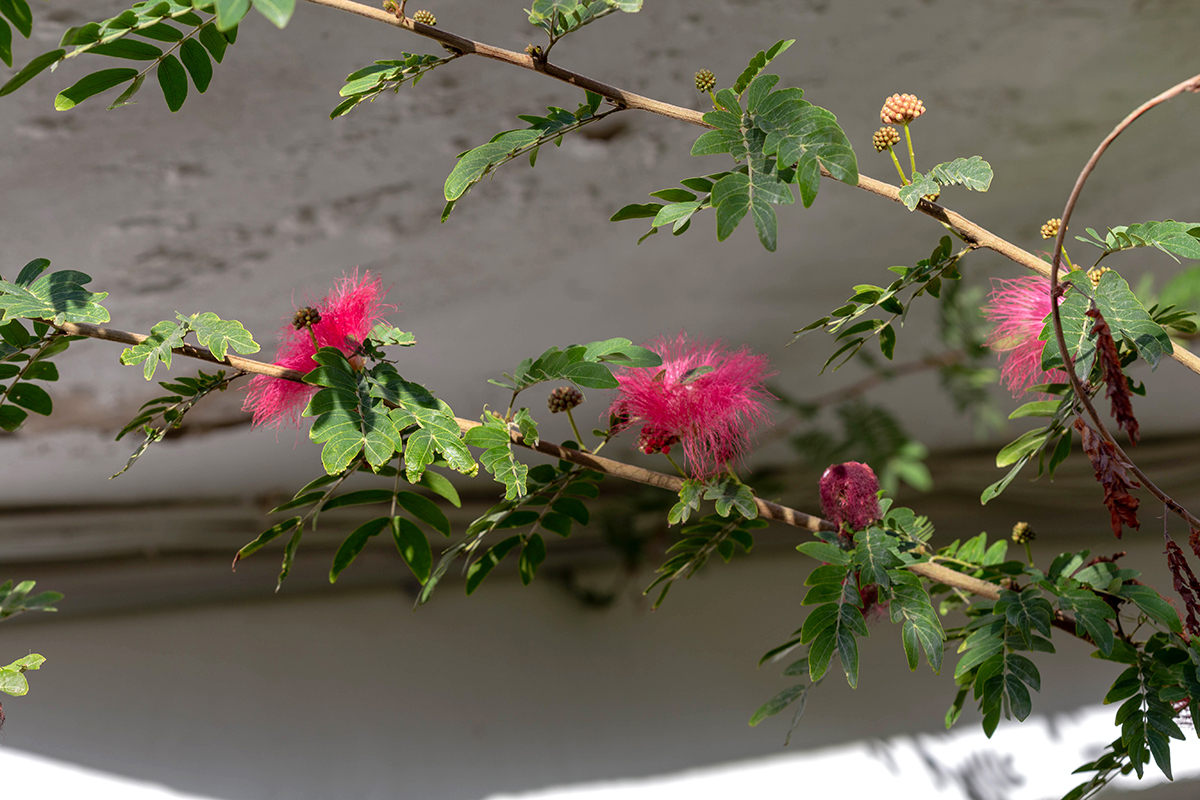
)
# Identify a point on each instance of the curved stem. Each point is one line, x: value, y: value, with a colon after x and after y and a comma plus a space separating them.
x: 1190, y: 85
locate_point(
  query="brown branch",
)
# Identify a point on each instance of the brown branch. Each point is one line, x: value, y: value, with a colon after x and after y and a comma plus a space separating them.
x: 975, y: 235
x: 766, y: 509
x: 1190, y: 85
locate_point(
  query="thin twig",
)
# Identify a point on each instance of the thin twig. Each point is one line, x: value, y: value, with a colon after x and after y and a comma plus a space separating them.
x: 969, y: 232
x: 766, y: 508
x: 1190, y: 85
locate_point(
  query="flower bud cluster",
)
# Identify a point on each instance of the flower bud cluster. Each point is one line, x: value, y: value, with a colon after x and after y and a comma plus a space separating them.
x: 901, y: 109
x: 656, y: 441
x: 705, y: 80
x: 884, y: 138
x: 564, y: 398
x: 1050, y: 229
x: 1095, y: 274
x: 425, y: 17
x: 305, y: 317
x: 1022, y: 533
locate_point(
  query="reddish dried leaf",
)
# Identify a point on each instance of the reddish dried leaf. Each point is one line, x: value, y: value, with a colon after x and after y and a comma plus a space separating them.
x: 1194, y: 541
x: 1114, y: 377
x: 1186, y: 585
x: 1113, y: 476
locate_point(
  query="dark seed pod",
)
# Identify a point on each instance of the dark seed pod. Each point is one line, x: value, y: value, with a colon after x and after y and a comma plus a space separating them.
x: 564, y: 398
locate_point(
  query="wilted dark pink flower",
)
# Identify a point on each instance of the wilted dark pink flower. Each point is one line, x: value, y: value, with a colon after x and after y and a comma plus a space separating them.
x: 704, y: 397
x: 849, y: 495
x: 1019, y: 307
x: 348, y: 313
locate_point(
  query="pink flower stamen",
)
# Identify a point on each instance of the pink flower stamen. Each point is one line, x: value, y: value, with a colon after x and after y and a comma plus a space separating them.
x: 1018, y: 307
x: 704, y: 397
x: 347, y: 315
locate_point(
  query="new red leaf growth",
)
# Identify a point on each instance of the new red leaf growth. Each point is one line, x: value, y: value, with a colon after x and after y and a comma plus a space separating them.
x: 1113, y: 476
x: 1186, y: 585
x: 1114, y: 377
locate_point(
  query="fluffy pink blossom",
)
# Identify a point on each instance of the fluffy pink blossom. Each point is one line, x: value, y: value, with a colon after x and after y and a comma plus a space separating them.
x: 849, y: 495
x: 348, y: 313
x: 705, y: 398
x: 1019, y: 307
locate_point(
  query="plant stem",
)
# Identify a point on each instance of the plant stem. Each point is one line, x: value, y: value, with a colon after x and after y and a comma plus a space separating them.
x: 575, y: 430
x: 912, y: 159
x: 896, y: 161
x: 676, y: 466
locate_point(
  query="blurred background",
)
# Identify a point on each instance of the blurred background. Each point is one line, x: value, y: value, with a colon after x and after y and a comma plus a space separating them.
x: 165, y: 667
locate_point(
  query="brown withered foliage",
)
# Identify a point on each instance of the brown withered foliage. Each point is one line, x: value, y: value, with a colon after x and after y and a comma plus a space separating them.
x: 1186, y: 586
x: 1113, y: 476
x: 1194, y: 541
x: 1114, y: 377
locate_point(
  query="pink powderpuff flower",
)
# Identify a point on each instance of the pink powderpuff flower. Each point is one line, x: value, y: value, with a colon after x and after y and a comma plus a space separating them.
x: 850, y: 495
x: 1019, y: 307
x: 348, y: 314
x: 705, y: 398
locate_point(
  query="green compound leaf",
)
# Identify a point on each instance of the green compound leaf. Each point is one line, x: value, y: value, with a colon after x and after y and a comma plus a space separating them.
x: 1122, y: 310
x: 1153, y: 605
x: 876, y: 554
x: 474, y: 164
x: 219, y: 335
x: 58, y: 297
x: 437, y: 430
x: 973, y: 173
x: 91, y: 85
x: 921, y: 185
x: 759, y: 63
x: 278, y: 11
x: 803, y: 137
x: 1171, y: 237
x: 497, y: 458
x: 158, y: 348
x: 1091, y: 616
x: 921, y: 625
x: 349, y: 420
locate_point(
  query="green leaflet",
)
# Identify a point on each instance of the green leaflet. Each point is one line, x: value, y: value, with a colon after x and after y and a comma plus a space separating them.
x: 369, y: 82
x: 437, y: 430
x: 211, y: 331
x: 12, y: 677
x: 497, y: 458
x: 478, y: 162
x: 712, y: 534
x: 157, y: 21
x: 349, y: 421
x: 920, y: 625
x: 59, y: 296
x: 1171, y: 237
x: 15, y: 600
x: 1129, y: 320
x: 586, y: 365
x: 278, y: 11
x: 974, y: 173
x: 561, y: 17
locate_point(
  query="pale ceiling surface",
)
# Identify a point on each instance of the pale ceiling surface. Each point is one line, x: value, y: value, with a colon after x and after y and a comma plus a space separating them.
x: 250, y: 197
